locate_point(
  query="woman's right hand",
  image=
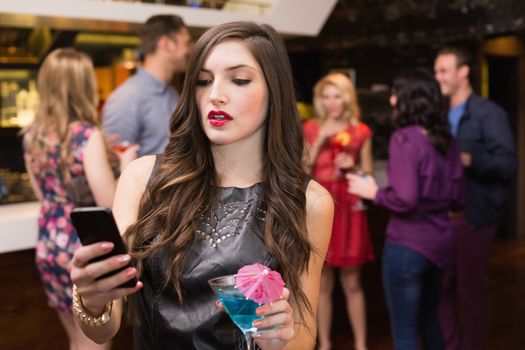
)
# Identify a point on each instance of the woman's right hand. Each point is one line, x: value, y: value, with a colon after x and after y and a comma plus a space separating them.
x: 362, y: 186
x: 278, y: 318
x: 96, y: 294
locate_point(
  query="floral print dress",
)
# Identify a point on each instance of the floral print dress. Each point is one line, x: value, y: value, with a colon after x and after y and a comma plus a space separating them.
x: 57, y: 238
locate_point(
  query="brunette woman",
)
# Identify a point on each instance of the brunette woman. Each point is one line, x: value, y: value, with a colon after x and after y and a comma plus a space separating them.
x: 228, y: 191
x: 425, y: 183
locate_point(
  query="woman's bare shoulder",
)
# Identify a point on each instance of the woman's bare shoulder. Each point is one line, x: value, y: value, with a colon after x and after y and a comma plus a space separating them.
x: 319, y: 218
x: 318, y: 199
x: 131, y: 185
x: 134, y: 178
x: 139, y: 169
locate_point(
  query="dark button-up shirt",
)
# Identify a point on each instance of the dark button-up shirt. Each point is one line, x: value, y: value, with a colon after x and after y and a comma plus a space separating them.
x: 424, y: 186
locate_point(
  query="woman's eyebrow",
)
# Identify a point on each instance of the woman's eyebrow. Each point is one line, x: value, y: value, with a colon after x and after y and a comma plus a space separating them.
x: 231, y: 68
x: 239, y: 66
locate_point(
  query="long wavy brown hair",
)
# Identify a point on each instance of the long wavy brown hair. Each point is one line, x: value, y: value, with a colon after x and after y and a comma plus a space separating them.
x: 186, y: 182
x: 68, y: 93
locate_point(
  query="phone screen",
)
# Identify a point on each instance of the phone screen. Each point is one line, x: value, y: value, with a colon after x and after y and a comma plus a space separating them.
x: 96, y: 224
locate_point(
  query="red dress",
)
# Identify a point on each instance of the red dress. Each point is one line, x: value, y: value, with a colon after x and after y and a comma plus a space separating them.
x: 350, y: 243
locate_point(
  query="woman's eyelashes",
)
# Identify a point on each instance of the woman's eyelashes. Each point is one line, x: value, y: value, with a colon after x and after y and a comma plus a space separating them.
x: 236, y: 81
x: 241, y: 82
x: 203, y: 82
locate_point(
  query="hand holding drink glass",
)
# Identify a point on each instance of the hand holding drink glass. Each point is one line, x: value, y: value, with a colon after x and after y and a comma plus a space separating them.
x: 362, y: 186
x: 345, y: 163
x: 124, y: 150
x: 256, y: 301
x: 343, y: 160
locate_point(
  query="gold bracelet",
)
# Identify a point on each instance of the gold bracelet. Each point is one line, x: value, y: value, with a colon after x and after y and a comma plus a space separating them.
x: 82, y: 315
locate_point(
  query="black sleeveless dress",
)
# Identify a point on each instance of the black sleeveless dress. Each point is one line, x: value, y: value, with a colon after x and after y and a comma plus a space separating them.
x: 224, y: 242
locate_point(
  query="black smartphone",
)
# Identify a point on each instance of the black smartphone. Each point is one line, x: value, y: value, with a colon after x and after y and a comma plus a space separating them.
x: 96, y: 224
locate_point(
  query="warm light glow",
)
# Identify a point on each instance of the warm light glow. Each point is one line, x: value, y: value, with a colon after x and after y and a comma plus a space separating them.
x: 129, y: 65
x: 14, y: 74
x: 106, y: 39
x: 503, y: 46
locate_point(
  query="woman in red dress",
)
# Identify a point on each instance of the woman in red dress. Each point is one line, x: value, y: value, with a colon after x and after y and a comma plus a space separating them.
x: 337, y: 143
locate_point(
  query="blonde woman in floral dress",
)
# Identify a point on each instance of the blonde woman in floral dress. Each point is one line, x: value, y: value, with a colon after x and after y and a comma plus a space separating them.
x: 339, y: 142
x: 65, y: 141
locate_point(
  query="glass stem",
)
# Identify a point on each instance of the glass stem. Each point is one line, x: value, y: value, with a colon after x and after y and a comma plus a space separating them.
x: 249, y: 341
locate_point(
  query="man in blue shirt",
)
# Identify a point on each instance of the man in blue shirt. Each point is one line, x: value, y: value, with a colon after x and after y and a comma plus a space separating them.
x: 454, y: 116
x: 490, y: 162
x: 138, y: 111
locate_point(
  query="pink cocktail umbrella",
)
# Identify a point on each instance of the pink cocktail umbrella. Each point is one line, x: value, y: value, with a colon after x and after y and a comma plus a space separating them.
x: 259, y: 283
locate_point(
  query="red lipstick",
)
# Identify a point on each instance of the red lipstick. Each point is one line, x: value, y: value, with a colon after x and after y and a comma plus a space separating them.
x: 219, y: 118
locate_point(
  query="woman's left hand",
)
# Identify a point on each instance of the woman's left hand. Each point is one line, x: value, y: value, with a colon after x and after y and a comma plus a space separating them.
x: 278, y: 315
x: 362, y: 186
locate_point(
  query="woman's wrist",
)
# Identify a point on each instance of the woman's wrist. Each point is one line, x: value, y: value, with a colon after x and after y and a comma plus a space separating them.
x: 91, y: 317
x: 374, y: 193
x: 374, y: 190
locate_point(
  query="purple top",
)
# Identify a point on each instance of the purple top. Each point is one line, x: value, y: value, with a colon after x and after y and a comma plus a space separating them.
x: 423, y: 187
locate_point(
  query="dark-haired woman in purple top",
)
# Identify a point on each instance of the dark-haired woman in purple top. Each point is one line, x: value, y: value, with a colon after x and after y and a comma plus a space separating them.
x: 425, y: 184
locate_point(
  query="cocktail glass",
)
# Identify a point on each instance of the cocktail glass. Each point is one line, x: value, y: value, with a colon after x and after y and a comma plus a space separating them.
x: 240, y: 309
x: 359, y: 204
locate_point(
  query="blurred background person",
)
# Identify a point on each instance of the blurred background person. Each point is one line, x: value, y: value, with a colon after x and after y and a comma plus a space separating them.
x: 338, y: 142
x: 138, y: 111
x: 490, y: 162
x: 425, y: 183
x: 65, y: 141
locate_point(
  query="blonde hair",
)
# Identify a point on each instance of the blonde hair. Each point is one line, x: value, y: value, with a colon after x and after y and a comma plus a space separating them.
x: 348, y: 93
x: 67, y: 88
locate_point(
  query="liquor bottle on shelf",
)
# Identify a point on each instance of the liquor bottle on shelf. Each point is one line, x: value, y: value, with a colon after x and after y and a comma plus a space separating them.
x: 8, y: 90
x: 26, y: 104
x: 21, y: 105
x: 4, y: 103
x: 11, y: 116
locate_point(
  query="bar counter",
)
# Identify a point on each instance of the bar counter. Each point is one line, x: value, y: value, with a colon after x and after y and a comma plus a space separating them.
x: 18, y: 226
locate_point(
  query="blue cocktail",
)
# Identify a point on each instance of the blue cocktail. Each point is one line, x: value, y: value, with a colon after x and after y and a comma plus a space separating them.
x: 240, y: 309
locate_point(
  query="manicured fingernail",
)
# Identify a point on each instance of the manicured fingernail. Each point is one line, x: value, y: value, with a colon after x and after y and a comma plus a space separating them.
x: 256, y: 335
x: 107, y: 245
x: 259, y: 311
x: 124, y: 258
x: 256, y: 324
x: 130, y: 272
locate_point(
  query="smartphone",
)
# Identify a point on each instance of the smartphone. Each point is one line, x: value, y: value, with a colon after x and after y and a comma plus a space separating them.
x: 96, y: 224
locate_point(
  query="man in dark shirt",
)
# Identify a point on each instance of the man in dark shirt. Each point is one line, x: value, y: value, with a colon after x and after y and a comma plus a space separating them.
x: 489, y: 159
x: 139, y: 110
